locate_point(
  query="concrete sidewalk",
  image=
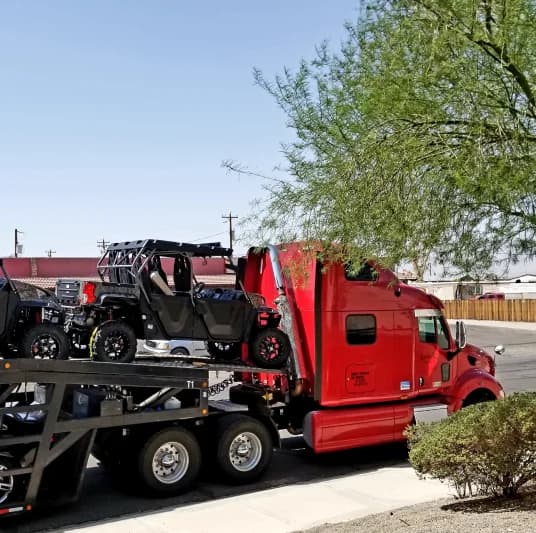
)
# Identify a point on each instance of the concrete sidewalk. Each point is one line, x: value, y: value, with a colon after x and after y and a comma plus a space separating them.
x: 287, y: 509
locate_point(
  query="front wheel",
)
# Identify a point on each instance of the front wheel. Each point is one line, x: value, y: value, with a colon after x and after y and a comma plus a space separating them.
x: 45, y: 341
x: 270, y: 348
x: 169, y: 461
x: 244, y: 448
x: 114, y: 342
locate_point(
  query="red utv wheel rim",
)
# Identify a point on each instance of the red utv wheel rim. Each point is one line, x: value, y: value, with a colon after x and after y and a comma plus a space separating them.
x: 269, y: 348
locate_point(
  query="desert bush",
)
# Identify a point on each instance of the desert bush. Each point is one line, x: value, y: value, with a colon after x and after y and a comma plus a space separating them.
x: 488, y: 448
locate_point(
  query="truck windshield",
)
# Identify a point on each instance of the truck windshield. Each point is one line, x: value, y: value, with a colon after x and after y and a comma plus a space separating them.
x: 442, y: 334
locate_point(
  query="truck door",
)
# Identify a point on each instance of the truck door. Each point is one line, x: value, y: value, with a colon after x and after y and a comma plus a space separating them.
x: 432, y: 367
x: 367, y: 343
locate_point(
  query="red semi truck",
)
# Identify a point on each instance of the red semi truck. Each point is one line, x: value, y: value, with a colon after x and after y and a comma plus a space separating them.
x: 369, y: 355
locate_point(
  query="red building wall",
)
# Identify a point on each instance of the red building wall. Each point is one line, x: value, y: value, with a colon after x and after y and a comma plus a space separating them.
x: 86, y: 267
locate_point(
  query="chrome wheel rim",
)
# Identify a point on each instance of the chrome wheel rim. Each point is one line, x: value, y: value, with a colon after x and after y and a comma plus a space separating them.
x: 6, y: 485
x: 170, y: 462
x: 245, y: 452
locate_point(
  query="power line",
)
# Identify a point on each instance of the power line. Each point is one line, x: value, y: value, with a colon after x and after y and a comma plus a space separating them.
x: 209, y: 236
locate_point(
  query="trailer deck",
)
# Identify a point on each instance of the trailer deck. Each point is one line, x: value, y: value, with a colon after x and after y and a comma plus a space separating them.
x: 47, y: 434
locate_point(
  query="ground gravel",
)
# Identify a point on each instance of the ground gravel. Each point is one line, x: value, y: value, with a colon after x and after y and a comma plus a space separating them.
x: 476, y: 515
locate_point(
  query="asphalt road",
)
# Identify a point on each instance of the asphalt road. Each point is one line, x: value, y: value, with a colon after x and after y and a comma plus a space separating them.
x: 102, y: 499
x: 516, y: 368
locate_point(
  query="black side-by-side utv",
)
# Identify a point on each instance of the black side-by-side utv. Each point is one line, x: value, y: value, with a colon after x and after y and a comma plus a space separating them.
x: 135, y: 301
x: 31, y: 321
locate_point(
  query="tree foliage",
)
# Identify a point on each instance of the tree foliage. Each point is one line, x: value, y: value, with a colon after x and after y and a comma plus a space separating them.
x: 416, y: 138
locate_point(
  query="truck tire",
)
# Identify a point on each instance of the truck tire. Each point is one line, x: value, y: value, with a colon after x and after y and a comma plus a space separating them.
x: 270, y: 348
x: 169, y: 461
x: 114, y: 342
x: 226, y: 351
x: 244, y: 448
x: 8, y: 484
x: 45, y: 341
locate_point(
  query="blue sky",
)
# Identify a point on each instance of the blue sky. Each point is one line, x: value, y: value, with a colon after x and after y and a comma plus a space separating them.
x: 115, y: 116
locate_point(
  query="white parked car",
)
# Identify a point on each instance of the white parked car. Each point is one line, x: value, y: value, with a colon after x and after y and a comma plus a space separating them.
x: 176, y: 347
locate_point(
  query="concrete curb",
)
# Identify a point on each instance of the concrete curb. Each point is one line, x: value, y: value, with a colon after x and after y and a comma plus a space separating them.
x: 287, y: 509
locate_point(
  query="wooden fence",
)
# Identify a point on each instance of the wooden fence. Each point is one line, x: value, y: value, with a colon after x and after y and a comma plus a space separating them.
x: 511, y: 310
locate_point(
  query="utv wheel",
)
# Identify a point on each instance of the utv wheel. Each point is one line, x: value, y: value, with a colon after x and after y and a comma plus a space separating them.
x: 244, y: 448
x: 270, y: 348
x: 114, y: 342
x: 169, y: 461
x: 45, y: 341
x: 227, y: 351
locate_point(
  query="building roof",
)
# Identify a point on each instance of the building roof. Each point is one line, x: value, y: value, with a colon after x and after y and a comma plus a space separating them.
x: 218, y: 280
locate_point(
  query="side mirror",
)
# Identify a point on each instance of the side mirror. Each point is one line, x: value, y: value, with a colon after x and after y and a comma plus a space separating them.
x: 461, y: 335
x: 499, y: 349
x: 1, y: 262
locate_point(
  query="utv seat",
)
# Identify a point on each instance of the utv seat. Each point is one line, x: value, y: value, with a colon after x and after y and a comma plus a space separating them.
x: 157, y: 280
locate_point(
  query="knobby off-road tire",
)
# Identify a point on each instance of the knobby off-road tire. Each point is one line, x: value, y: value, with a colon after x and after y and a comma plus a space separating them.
x: 114, y: 342
x: 270, y: 348
x: 45, y: 341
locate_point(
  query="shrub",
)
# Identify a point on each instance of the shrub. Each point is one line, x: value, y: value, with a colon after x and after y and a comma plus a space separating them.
x: 488, y: 448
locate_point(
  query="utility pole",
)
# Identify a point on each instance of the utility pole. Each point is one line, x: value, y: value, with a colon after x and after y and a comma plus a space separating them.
x: 102, y: 245
x: 230, y: 219
x: 50, y: 252
x: 17, y: 233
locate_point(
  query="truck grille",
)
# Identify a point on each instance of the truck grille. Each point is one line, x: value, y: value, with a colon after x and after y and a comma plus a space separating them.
x: 68, y: 291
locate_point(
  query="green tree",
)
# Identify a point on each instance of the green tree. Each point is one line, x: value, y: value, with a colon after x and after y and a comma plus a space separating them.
x: 416, y: 138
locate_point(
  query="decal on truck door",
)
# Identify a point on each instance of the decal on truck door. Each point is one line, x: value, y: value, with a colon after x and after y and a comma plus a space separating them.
x: 360, y: 378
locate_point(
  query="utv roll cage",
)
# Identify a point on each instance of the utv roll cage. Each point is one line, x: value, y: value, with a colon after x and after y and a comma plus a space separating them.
x: 132, y: 262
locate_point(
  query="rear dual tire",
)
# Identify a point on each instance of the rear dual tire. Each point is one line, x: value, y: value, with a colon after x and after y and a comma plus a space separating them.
x: 244, y: 448
x: 169, y: 461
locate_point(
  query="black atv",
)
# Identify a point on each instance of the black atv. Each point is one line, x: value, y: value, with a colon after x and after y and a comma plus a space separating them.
x: 135, y: 301
x: 31, y: 321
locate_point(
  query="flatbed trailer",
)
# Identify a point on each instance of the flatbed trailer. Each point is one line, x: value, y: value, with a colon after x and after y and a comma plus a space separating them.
x: 149, y: 420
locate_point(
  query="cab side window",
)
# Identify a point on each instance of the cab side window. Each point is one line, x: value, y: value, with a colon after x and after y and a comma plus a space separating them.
x: 363, y: 272
x: 360, y: 329
x: 427, y: 329
x: 433, y: 330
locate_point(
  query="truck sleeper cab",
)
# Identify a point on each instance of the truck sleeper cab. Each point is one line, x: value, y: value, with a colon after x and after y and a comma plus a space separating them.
x: 372, y: 354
